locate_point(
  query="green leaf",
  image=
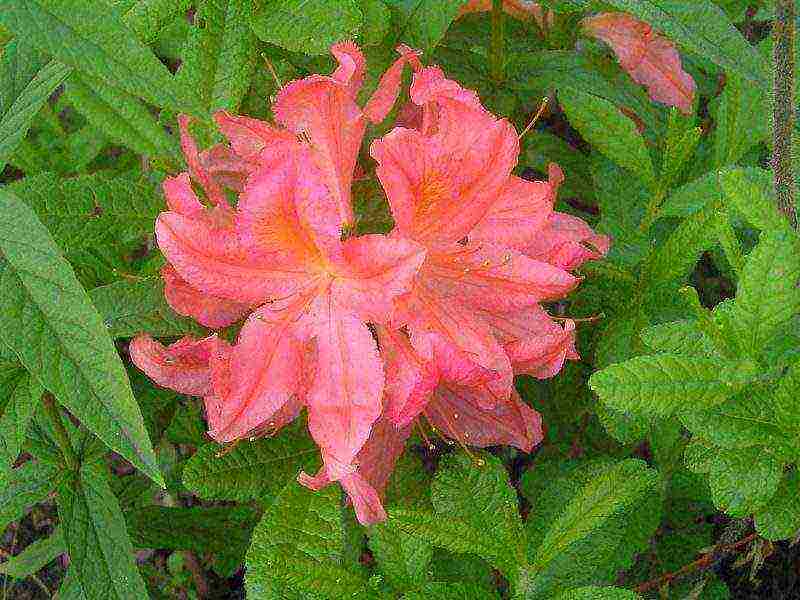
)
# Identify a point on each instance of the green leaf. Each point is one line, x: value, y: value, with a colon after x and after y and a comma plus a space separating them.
x: 746, y: 420
x: 377, y: 21
x: 780, y: 518
x: 251, y: 471
x: 540, y: 148
x: 49, y: 321
x: 692, y: 197
x: 187, y: 426
x: 236, y: 58
x: 536, y: 74
x: 84, y: 146
x: 423, y: 23
x: 739, y: 118
x: 89, y: 37
x: 749, y: 191
x: 622, y: 201
x: 787, y: 409
x: 663, y: 384
x: 97, y: 221
x: 451, y: 591
x: 16, y: 418
x: 475, y: 512
x: 120, y: 116
x: 100, y: 552
x: 451, y: 534
x: 218, y: 58
x: 19, y: 65
x: 157, y: 404
x: 308, y: 26
x: 588, y: 522
x: 680, y: 144
x: 23, y: 487
x: 678, y: 255
x: 130, y: 307
x: 598, y: 593
x: 678, y: 337
x: 482, y: 497
x: 70, y: 588
x: 147, y: 18
x: 402, y: 558
x: 19, y: 116
x: 462, y: 568
x: 221, y: 531
x: 11, y: 371
x: 743, y: 480
x: 35, y: 556
x: 299, y: 543
x: 704, y: 28
x: 607, y: 129
x: 698, y: 456
x: 767, y: 296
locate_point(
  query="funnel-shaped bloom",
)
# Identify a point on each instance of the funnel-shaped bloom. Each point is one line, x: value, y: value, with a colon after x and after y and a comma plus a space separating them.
x: 280, y: 256
x: 651, y: 59
x: 284, y: 252
x: 495, y: 246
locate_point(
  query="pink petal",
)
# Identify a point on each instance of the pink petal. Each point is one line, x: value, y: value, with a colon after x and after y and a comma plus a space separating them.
x: 375, y: 270
x: 458, y: 414
x: 535, y: 343
x: 181, y: 197
x: 380, y: 453
x: 427, y: 312
x: 384, y: 97
x: 259, y: 375
x: 196, y: 168
x: 520, y: 212
x: 182, y: 366
x: 440, y: 186
x: 352, y: 66
x: 324, y: 109
x: 345, y: 398
x: 650, y: 58
x: 226, y: 167
x: 567, y: 242
x: 217, y: 263
x: 209, y: 311
x: 285, y: 215
x: 366, y: 501
x: 409, y: 116
x: 253, y: 140
x: 492, y: 278
x: 410, y: 378
x: 521, y: 9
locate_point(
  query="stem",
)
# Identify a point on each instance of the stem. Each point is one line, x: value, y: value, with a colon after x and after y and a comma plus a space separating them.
x: 60, y: 432
x: 783, y: 110
x: 497, y: 50
x: 700, y: 564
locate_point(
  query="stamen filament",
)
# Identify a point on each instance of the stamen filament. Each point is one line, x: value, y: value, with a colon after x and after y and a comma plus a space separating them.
x: 535, y: 117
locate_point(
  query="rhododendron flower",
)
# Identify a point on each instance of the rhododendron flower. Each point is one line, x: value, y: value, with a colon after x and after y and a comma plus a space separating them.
x: 452, y: 294
x: 651, y: 59
x: 496, y: 248
x: 280, y: 254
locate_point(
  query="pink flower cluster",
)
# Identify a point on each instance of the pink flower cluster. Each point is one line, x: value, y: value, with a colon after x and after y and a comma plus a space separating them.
x: 367, y: 333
